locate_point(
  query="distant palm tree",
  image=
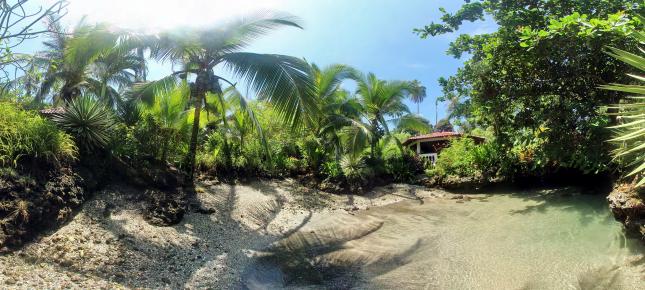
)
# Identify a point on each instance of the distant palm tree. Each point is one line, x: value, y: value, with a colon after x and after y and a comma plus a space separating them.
x: 70, y: 56
x: 281, y: 80
x: 112, y: 72
x: 382, y: 100
x: 417, y: 93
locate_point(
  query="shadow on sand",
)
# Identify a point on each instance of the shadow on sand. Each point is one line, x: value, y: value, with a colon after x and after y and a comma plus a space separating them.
x: 261, y: 259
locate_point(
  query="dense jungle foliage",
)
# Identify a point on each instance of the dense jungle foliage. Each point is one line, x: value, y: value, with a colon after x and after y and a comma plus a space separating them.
x: 534, y: 82
x: 300, y: 122
x: 532, y: 88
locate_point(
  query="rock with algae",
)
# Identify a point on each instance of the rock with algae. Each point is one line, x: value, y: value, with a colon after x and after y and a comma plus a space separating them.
x: 628, y: 206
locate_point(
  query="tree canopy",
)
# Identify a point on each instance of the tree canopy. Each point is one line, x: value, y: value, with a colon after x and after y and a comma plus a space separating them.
x: 535, y: 80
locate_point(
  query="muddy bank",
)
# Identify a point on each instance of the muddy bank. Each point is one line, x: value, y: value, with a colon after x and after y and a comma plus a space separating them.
x: 110, y: 244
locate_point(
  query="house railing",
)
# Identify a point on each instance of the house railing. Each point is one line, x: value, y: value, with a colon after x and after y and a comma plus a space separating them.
x: 432, y: 157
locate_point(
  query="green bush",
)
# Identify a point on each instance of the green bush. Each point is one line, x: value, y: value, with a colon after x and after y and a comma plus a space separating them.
x: 89, y: 120
x: 147, y: 141
x: 458, y: 159
x: 332, y: 169
x: 464, y: 158
x: 403, y: 168
x: 356, y: 169
x: 26, y: 134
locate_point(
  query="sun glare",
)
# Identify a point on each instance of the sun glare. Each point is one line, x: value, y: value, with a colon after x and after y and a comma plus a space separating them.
x: 163, y: 14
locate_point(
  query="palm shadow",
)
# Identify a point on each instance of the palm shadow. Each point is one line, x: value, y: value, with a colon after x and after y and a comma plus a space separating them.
x: 134, y: 262
x: 322, y: 258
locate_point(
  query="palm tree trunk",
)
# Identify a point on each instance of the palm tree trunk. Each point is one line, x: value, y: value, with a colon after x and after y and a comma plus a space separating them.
x: 164, y: 148
x: 103, y: 91
x: 375, y: 137
x: 436, y: 111
x: 241, y: 143
x: 192, y: 149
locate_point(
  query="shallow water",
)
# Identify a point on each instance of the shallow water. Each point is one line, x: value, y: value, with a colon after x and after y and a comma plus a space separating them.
x: 542, y: 239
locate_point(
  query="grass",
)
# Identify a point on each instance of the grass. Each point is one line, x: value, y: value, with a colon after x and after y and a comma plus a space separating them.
x: 25, y: 134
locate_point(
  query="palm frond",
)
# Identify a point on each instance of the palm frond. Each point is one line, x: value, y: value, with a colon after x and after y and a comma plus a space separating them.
x: 412, y: 122
x: 247, y: 112
x: 629, y: 135
x: 355, y: 137
x: 238, y: 34
x: 280, y: 80
x: 146, y: 91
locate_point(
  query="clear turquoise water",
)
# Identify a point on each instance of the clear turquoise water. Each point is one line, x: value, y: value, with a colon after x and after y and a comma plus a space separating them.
x: 541, y: 239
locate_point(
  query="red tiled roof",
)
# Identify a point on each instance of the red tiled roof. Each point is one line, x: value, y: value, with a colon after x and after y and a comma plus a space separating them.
x: 436, y: 135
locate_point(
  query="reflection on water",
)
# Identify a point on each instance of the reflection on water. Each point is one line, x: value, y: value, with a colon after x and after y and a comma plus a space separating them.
x: 547, y: 239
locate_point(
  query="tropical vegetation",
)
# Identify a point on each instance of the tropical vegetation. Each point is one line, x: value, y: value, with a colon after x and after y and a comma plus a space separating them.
x: 534, y: 82
x: 531, y: 88
x: 629, y: 133
x: 556, y: 90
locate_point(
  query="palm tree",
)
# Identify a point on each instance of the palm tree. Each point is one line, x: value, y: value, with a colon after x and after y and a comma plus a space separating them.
x: 169, y: 109
x: 113, y: 71
x: 230, y: 113
x: 71, y: 57
x: 417, y: 93
x: 281, y: 80
x: 382, y: 100
x: 337, y: 109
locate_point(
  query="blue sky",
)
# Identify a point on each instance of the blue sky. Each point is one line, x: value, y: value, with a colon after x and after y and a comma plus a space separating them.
x: 370, y: 35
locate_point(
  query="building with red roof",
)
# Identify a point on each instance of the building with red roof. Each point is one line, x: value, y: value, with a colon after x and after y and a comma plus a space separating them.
x: 428, y: 146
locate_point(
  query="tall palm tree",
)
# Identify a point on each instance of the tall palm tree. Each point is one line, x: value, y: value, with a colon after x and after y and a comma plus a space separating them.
x: 281, y: 80
x: 417, y: 93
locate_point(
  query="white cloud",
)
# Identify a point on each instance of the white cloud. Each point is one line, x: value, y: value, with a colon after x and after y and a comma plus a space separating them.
x: 163, y: 14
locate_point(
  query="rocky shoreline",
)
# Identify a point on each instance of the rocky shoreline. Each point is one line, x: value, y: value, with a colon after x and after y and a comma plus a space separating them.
x: 628, y: 206
x: 109, y: 244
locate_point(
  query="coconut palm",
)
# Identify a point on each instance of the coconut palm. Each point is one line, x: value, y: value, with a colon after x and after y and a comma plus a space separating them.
x: 281, y: 80
x: 337, y: 109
